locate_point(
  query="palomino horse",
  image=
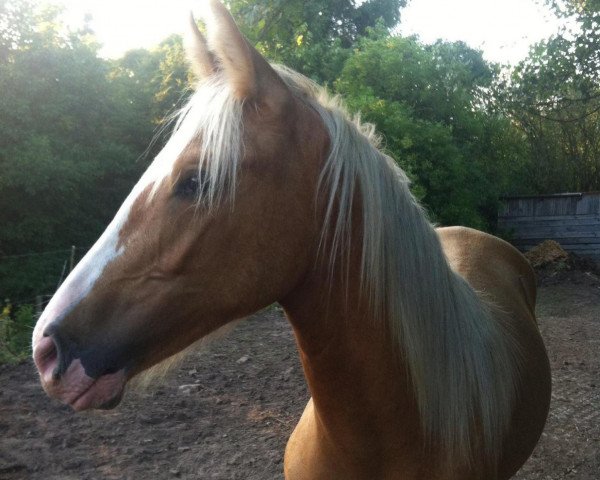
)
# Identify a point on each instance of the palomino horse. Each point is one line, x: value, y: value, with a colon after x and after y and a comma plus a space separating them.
x: 420, y: 347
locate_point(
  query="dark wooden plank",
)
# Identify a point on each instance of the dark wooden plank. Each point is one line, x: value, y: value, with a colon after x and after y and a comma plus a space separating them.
x: 551, y: 206
x: 556, y: 206
x: 541, y: 221
x: 550, y: 218
x: 589, y: 204
x: 568, y: 247
x: 581, y: 252
x: 549, y: 227
x: 558, y: 238
x: 570, y: 241
x: 555, y: 232
x: 584, y: 205
x: 555, y: 229
x: 562, y: 242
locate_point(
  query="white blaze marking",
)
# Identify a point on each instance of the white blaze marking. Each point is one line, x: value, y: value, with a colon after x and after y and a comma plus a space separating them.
x: 202, y: 112
x: 84, y: 276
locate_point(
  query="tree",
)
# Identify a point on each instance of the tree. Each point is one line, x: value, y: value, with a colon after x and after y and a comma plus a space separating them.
x: 430, y: 104
x: 554, y: 96
x: 583, y: 28
x: 15, y: 26
x: 66, y: 154
x: 314, y: 38
x: 152, y: 85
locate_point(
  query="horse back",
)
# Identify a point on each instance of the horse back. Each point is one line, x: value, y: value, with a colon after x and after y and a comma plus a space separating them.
x: 493, y: 267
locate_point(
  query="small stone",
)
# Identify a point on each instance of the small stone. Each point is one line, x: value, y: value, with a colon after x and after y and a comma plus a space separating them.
x: 150, y: 420
x: 243, y: 359
x: 190, y: 388
x: 287, y: 374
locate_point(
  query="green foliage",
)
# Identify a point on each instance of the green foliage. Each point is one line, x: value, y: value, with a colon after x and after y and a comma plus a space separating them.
x: 15, y: 333
x: 150, y: 85
x: 73, y: 132
x: 314, y: 38
x: 429, y: 102
x: 16, y: 27
x: 74, y: 128
x: 554, y: 96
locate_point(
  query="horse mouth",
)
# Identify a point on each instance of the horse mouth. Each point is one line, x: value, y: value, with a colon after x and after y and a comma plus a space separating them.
x: 74, y: 387
x: 104, y: 393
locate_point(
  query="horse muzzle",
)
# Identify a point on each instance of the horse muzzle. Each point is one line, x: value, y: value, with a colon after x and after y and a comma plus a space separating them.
x: 64, y: 376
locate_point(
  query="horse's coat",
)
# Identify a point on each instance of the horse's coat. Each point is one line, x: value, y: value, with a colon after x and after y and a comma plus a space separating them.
x: 420, y: 347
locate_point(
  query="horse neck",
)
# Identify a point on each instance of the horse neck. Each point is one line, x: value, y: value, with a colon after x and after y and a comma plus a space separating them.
x: 409, y: 377
x: 429, y: 363
x: 355, y: 372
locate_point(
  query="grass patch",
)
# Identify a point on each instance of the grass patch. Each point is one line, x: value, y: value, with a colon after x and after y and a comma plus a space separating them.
x: 16, y: 326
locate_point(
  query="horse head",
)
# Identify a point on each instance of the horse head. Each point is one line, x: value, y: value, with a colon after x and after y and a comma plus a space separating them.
x: 221, y: 224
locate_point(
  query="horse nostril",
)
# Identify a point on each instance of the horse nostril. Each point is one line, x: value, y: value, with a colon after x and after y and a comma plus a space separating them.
x: 53, y: 353
x: 45, y: 356
x: 50, y: 330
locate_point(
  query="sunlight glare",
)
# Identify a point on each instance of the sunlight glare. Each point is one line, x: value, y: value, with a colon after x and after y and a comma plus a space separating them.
x: 504, y: 30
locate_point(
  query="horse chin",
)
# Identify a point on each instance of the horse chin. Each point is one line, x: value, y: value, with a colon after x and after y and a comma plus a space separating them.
x: 82, y: 392
x: 103, y: 393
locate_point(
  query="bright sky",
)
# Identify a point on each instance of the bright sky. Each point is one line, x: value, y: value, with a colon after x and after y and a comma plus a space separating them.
x: 503, y: 29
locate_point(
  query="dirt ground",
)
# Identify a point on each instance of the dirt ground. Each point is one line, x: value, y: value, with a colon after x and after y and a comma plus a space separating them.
x: 226, y: 412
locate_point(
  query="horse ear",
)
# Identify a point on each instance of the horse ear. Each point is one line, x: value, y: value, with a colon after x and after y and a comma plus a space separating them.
x: 200, y: 57
x: 249, y: 74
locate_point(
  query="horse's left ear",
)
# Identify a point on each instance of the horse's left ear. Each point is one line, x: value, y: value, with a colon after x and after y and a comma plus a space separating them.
x: 226, y: 51
x: 200, y: 57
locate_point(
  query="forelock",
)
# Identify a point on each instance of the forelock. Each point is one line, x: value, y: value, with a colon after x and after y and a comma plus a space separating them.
x: 212, y: 118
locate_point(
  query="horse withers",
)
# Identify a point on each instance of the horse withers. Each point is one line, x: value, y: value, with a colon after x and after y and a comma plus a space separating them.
x: 420, y: 347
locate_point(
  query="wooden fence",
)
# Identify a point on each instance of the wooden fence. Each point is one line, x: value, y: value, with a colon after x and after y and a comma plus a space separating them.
x: 572, y: 219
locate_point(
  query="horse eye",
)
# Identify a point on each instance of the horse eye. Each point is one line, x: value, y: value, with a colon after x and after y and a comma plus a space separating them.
x: 189, y: 187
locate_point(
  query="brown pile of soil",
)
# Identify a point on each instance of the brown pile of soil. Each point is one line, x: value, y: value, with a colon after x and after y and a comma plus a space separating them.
x: 554, y: 265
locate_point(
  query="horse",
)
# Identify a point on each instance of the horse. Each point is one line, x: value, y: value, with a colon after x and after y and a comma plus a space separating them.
x: 420, y: 346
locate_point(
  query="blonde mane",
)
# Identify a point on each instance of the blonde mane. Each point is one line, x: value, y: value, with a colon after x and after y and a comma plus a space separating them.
x: 461, y: 362
x: 211, y: 120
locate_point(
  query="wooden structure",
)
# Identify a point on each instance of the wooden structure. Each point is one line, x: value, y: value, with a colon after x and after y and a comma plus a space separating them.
x: 571, y: 219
